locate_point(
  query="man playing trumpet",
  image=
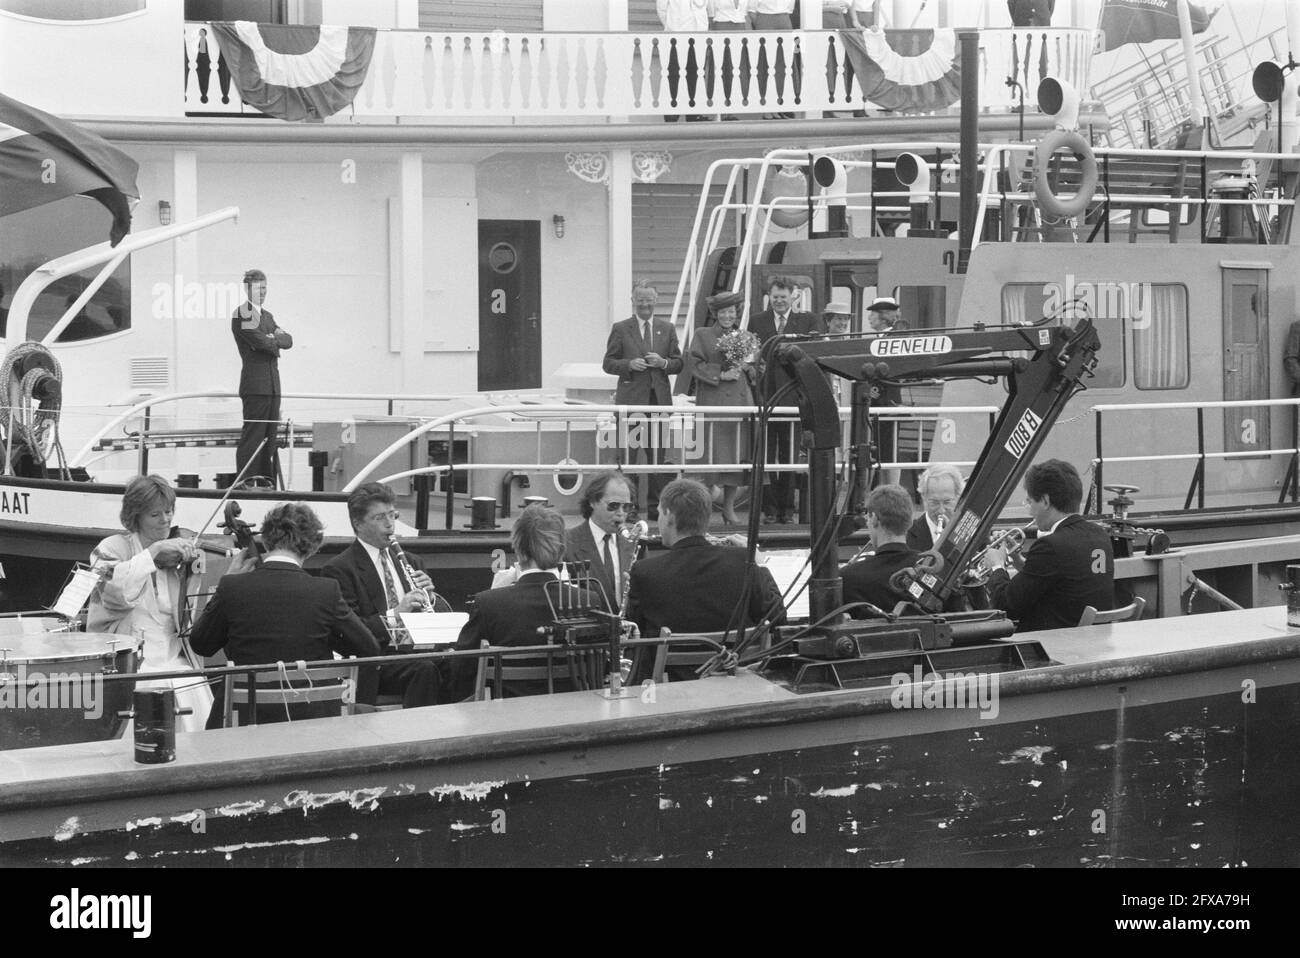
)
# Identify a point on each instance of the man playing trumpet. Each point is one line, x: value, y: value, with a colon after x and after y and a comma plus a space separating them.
x: 940, y: 487
x: 1069, y: 566
x: 376, y: 585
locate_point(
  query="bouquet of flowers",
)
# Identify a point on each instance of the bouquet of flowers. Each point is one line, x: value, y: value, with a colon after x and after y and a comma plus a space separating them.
x: 737, y: 347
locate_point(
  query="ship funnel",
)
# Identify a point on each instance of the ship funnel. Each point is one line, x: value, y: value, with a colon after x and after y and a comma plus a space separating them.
x: 1058, y: 99
x: 914, y: 174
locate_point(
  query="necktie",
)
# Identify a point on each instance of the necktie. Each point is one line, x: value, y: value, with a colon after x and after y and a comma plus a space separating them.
x: 780, y: 324
x: 393, y: 600
x: 608, y: 559
x: 645, y: 334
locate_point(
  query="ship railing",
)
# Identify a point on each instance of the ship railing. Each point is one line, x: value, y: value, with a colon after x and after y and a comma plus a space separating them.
x: 446, y: 75
x: 1290, y: 487
x: 614, y: 420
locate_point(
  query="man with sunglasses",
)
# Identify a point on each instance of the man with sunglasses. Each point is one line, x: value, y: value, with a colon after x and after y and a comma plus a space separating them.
x: 605, y: 507
x: 377, y: 588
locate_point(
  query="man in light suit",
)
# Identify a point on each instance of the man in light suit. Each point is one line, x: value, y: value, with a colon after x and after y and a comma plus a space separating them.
x: 604, y: 506
x: 643, y: 352
x: 780, y: 319
x: 259, y: 340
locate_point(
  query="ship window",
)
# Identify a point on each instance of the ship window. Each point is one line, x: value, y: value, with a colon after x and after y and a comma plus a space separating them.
x: 37, y: 235
x: 1043, y: 303
x: 1160, y: 339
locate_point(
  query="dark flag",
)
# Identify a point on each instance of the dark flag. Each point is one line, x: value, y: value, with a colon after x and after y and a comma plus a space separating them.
x: 44, y: 158
x: 296, y: 73
x: 1140, y: 21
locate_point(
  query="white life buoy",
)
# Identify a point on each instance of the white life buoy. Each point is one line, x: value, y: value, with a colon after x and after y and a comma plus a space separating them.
x: 1064, y: 206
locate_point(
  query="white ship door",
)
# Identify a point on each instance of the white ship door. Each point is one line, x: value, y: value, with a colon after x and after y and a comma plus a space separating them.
x: 1245, y: 358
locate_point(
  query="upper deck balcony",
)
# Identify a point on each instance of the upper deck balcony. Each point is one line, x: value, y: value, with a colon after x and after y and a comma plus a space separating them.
x: 451, y: 76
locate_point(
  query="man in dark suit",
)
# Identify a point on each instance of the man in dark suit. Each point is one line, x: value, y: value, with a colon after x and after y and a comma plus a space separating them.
x: 1069, y: 566
x: 259, y: 340
x: 780, y: 319
x: 277, y: 612
x: 376, y: 587
x: 940, y: 487
x: 512, y: 615
x: 596, y: 540
x: 642, y: 352
x: 695, y: 586
x: 889, y: 512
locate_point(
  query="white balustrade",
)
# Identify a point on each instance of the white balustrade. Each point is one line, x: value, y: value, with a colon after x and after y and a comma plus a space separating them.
x: 449, y: 75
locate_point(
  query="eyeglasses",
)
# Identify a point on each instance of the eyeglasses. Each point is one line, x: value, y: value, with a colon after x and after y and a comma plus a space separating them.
x: 390, y: 514
x: 618, y: 506
x: 940, y: 503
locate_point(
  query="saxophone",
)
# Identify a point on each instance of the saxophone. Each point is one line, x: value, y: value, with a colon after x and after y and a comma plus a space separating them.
x: 634, y: 535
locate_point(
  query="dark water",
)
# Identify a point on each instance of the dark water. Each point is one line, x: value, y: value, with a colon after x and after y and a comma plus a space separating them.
x: 1206, y: 783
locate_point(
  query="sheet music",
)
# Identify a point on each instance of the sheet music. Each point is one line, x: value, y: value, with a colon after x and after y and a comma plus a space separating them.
x: 790, y: 566
x: 76, y: 593
x: 428, y: 629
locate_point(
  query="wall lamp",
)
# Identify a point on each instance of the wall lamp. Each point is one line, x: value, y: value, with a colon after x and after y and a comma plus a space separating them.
x: 164, y: 213
x: 558, y: 222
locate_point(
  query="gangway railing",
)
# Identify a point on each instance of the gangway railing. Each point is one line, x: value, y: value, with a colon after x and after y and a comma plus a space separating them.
x: 1196, y: 487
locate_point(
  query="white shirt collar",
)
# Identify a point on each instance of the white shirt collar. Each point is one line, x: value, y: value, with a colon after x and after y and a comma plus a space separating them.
x: 287, y: 560
x: 1055, y: 526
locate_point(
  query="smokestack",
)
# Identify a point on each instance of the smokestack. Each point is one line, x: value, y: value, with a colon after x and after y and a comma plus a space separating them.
x: 970, y: 131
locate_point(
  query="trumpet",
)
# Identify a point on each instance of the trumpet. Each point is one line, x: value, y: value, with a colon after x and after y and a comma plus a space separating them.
x: 1012, y: 540
x: 408, y: 570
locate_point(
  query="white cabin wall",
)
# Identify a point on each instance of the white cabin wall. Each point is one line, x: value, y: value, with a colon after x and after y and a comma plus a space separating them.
x: 384, y: 14
x: 130, y: 67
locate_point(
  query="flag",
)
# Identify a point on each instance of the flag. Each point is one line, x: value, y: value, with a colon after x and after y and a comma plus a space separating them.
x: 905, y: 70
x: 1141, y: 21
x: 296, y: 73
x: 44, y: 158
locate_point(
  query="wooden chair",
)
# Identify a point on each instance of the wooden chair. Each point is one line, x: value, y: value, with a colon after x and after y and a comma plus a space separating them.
x: 1129, y: 613
x: 568, y: 666
x: 291, y: 694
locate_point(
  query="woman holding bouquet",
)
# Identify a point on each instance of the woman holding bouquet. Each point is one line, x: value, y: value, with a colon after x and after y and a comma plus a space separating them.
x: 722, y: 362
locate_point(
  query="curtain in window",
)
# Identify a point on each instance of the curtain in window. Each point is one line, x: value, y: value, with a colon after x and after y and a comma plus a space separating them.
x: 1160, y: 346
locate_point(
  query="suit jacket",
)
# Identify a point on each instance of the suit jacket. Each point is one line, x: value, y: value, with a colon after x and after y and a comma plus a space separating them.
x: 867, y: 580
x: 695, y: 587
x: 511, y: 616
x: 706, y: 366
x: 259, y: 342
x: 918, y: 536
x: 649, y: 386
x: 581, y: 546
x: 1065, y: 571
x: 279, y: 612
x: 764, y: 327
x: 363, y: 590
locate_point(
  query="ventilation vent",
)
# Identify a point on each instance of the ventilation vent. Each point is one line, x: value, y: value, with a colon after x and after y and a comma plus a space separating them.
x: 150, y: 372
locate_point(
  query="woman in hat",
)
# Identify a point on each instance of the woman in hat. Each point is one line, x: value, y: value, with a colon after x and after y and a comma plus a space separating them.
x: 720, y: 381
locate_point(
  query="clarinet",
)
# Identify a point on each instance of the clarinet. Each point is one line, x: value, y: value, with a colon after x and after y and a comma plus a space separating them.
x: 400, y: 555
x: 633, y: 535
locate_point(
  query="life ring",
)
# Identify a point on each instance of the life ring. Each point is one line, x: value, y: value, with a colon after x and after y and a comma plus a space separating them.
x: 567, y: 481
x: 1064, y: 206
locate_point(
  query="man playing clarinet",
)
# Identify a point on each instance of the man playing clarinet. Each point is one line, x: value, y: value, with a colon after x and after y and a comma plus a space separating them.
x: 376, y: 585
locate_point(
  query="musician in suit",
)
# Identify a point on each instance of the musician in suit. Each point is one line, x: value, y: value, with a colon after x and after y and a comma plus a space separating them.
x: 1069, y: 566
x: 596, y: 540
x: 889, y: 513
x: 259, y: 340
x: 940, y: 486
x: 277, y: 612
x: 376, y: 587
x: 780, y: 319
x: 512, y: 615
x: 695, y: 586
x: 642, y: 352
